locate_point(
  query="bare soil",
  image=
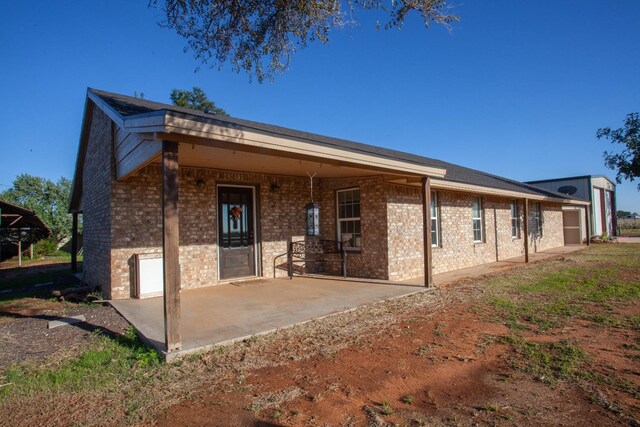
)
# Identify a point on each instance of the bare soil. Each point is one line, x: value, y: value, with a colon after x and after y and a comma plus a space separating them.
x: 448, y: 369
x: 24, y: 333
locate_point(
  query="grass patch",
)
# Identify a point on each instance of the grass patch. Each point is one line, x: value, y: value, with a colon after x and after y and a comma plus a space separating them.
x: 551, y: 294
x: 547, y: 361
x: 107, y: 362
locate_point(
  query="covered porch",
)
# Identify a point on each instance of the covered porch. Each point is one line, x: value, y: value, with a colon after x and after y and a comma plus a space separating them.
x: 202, y: 178
x: 233, y: 312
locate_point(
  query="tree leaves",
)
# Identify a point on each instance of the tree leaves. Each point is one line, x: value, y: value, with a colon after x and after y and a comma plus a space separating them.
x: 196, y: 100
x: 626, y: 162
x: 260, y: 37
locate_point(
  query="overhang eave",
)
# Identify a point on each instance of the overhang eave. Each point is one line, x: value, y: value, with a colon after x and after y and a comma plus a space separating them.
x: 148, y: 130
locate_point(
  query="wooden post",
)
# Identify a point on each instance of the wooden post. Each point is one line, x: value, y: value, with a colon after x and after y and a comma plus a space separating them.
x: 19, y: 249
x: 426, y: 228
x: 525, y: 229
x: 171, y: 246
x: 74, y: 242
x: 587, y: 218
x: 290, y: 258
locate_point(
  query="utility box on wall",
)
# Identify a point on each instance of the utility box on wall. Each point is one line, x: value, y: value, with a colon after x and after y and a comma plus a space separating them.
x: 148, y: 275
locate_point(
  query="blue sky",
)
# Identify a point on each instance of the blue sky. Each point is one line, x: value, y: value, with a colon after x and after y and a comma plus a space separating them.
x: 517, y: 88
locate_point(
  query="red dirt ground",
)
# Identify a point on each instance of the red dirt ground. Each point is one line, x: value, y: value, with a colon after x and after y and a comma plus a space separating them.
x: 451, y: 366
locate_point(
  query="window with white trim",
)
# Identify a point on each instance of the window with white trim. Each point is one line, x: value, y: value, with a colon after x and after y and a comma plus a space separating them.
x: 476, y: 208
x: 537, y: 219
x: 515, y: 220
x: 348, y: 206
x: 435, y: 224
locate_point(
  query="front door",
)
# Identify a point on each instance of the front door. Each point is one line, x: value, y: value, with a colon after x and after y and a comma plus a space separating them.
x: 236, y: 232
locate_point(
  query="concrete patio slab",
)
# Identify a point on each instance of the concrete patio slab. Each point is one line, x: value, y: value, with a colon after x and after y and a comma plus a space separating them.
x: 229, y: 312
x: 232, y: 312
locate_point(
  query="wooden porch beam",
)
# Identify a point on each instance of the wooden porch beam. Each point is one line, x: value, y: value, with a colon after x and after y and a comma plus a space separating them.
x: 19, y: 217
x: 426, y: 227
x: 171, y: 246
x: 74, y: 242
x: 525, y: 226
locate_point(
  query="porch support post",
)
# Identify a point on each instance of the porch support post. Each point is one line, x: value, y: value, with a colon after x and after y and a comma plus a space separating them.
x: 587, y: 219
x: 74, y: 242
x: 525, y: 226
x: 426, y: 228
x: 171, y: 246
x: 19, y: 248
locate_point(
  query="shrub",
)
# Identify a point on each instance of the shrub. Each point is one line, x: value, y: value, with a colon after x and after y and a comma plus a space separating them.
x: 45, y: 247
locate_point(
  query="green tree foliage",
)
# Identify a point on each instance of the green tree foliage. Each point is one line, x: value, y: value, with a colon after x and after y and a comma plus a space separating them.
x: 622, y: 214
x: 260, y: 37
x: 627, y: 162
x: 48, y: 199
x: 196, y: 100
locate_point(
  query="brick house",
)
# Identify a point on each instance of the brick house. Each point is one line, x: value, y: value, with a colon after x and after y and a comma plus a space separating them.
x: 221, y: 198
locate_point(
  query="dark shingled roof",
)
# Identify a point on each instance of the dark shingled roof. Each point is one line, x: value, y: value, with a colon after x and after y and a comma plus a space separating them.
x: 127, y: 106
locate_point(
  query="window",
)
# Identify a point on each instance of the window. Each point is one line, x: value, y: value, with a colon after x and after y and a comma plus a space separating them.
x: 515, y: 220
x: 477, y: 219
x: 434, y: 220
x: 348, y: 203
x: 536, y: 213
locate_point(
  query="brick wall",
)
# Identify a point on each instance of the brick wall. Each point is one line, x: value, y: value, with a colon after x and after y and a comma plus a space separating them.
x: 137, y: 224
x: 456, y: 248
x: 96, y: 207
x: 124, y: 218
x: 552, y: 231
x: 371, y: 260
x: 405, y: 236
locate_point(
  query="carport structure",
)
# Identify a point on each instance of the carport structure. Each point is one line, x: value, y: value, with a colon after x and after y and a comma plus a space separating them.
x: 18, y: 225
